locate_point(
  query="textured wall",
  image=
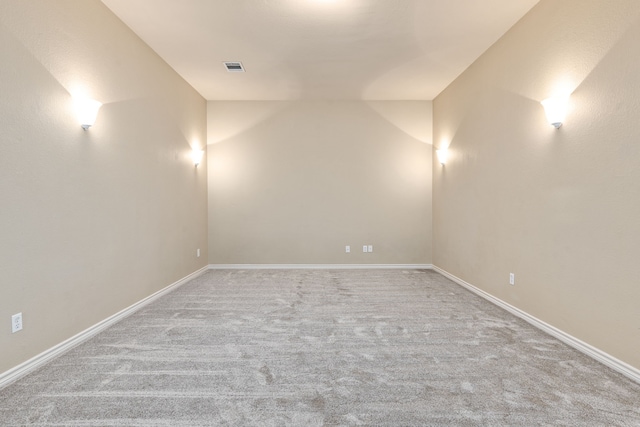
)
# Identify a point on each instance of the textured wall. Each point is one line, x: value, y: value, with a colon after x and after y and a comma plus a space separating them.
x: 294, y: 182
x: 559, y: 208
x: 90, y: 222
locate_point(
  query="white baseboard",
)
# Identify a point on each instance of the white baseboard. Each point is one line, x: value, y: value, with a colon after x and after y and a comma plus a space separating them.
x: 597, y: 354
x: 318, y: 266
x: 35, y: 362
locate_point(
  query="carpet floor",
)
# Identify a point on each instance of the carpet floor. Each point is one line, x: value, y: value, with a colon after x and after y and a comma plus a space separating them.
x: 321, y: 348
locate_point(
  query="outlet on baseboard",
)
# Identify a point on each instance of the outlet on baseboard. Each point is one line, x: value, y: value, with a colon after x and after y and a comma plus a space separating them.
x: 512, y: 279
x: 347, y: 249
x: 16, y: 323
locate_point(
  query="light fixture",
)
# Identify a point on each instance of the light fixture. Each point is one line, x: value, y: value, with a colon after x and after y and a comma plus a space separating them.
x: 442, y: 155
x: 556, y: 109
x: 86, y: 111
x: 196, y: 155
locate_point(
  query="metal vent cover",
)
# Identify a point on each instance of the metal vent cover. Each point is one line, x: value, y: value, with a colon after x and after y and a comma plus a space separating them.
x: 234, y: 67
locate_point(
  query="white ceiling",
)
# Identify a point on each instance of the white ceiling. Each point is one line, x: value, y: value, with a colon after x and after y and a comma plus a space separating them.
x: 320, y: 49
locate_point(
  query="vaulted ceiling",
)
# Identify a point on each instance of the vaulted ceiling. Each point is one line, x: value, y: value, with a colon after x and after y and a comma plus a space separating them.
x: 320, y: 49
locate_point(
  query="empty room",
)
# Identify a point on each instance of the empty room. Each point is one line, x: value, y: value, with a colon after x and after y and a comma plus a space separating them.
x: 319, y: 213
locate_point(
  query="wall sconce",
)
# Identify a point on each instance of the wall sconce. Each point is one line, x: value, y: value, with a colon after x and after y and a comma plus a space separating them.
x: 196, y: 155
x: 556, y: 110
x: 442, y: 156
x: 86, y: 111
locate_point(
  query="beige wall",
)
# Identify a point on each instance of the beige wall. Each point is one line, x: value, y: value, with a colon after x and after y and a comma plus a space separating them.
x: 559, y: 208
x: 90, y: 222
x: 295, y: 182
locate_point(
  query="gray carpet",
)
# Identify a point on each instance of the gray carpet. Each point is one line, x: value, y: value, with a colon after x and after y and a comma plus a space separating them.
x: 322, y: 348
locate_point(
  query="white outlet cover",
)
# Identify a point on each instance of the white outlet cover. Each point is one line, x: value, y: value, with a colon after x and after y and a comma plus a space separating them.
x: 512, y: 279
x: 364, y: 248
x: 370, y: 248
x: 347, y: 249
x: 16, y: 322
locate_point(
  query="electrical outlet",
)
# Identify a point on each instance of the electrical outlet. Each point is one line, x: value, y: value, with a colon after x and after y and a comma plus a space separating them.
x: 347, y: 249
x: 370, y: 248
x: 512, y: 279
x: 16, y: 323
x: 198, y: 252
x: 364, y: 248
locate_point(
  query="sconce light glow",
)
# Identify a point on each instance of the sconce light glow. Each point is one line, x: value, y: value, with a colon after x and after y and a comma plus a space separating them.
x: 196, y: 155
x: 556, y: 109
x: 442, y: 155
x: 86, y: 111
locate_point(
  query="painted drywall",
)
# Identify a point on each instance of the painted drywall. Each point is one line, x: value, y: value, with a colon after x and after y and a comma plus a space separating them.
x: 558, y: 208
x: 90, y: 222
x: 295, y: 182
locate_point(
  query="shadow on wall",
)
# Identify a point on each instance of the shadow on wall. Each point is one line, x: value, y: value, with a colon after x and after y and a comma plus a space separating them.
x: 228, y: 119
x: 293, y: 187
x: 558, y: 77
x: 567, y: 61
x: 565, y: 64
x: 321, y: 133
x: 75, y: 78
x: 411, y: 117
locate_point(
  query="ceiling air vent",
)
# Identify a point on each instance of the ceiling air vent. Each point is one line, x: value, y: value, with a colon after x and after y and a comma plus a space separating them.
x: 234, y: 67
